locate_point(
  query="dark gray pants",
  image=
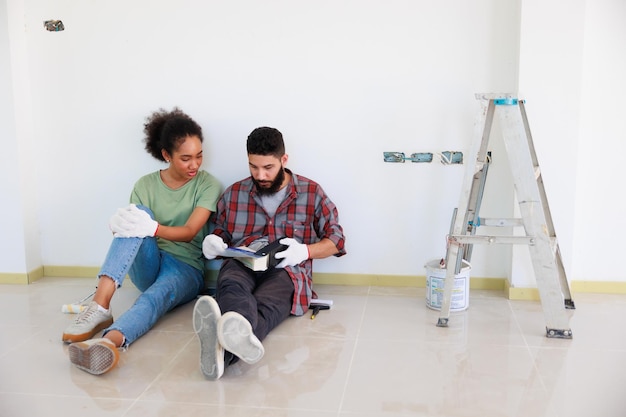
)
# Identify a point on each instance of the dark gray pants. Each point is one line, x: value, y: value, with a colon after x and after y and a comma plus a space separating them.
x: 263, y: 298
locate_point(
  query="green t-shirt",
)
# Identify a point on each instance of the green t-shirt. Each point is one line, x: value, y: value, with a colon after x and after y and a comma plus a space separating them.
x: 173, y: 208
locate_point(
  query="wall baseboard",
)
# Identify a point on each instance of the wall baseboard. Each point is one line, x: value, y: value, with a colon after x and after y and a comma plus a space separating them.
x: 476, y: 283
x: 9, y: 278
x: 398, y: 281
x: 603, y: 287
x: 71, y: 271
x: 22, y: 278
x: 519, y: 293
x: 598, y: 287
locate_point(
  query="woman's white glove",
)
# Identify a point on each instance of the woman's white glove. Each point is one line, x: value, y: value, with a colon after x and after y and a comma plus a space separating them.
x: 295, y: 254
x: 132, y: 222
x: 213, y: 246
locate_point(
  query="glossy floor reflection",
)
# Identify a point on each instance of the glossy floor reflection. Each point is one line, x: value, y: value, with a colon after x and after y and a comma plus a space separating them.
x: 377, y: 352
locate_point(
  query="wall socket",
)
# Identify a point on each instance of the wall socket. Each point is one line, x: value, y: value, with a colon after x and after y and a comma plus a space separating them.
x: 447, y: 157
x: 451, y: 157
x: 422, y: 157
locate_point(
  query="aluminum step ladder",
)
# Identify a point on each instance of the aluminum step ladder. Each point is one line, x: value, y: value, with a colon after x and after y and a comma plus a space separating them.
x: 535, y: 220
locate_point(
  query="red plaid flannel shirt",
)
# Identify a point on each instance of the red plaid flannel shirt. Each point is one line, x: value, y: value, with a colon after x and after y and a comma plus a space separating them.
x: 306, y: 214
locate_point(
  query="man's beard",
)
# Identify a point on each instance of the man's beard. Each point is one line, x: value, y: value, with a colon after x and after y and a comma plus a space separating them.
x: 275, y: 185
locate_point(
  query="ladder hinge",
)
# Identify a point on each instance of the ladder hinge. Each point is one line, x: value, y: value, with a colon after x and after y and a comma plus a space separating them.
x: 505, y: 101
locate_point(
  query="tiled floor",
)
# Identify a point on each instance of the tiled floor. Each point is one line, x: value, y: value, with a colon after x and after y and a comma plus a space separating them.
x: 376, y: 353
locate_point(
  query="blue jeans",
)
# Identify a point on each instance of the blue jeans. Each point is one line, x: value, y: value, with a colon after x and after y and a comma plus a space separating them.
x: 165, y: 282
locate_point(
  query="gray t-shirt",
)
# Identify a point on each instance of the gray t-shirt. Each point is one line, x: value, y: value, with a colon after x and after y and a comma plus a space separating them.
x: 270, y: 204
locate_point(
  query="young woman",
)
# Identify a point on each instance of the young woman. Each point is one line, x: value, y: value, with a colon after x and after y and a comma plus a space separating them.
x: 157, y: 240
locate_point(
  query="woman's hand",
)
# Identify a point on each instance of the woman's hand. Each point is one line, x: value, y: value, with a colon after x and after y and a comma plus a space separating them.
x: 132, y: 222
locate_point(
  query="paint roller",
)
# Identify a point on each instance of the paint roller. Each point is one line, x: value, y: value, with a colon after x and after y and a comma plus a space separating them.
x: 76, y: 307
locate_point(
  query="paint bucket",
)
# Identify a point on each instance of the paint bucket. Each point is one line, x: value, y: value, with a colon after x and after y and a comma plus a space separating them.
x: 435, y: 280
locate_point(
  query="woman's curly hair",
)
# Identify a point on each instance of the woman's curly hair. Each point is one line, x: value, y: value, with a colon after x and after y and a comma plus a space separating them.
x: 167, y: 130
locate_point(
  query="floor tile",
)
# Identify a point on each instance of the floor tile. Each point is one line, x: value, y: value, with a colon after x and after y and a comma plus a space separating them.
x: 376, y: 352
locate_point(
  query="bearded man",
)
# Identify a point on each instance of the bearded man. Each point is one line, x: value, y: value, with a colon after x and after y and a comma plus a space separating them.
x: 272, y: 204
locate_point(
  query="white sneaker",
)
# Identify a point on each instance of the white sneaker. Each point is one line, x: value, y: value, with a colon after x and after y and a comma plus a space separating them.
x: 95, y: 356
x: 235, y: 335
x: 206, y: 314
x: 88, y: 323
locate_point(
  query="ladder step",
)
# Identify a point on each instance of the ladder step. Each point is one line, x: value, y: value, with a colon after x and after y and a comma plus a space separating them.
x: 494, y: 222
x: 497, y: 240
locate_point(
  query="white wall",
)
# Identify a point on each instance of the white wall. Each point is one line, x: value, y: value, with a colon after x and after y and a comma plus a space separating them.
x: 551, y: 59
x: 12, y: 256
x: 343, y: 81
x: 600, y: 225
x: 571, y: 73
x: 20, y: 250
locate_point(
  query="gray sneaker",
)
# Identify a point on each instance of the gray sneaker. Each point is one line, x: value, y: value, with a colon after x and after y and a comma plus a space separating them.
x: 88, y: 323
x: 206, y: 314
x: 235, y: 335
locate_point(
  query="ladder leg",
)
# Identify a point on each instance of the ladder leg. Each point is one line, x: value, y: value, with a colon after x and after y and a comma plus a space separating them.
x: 469, y: 203
x: 454, y: 255
x: 569, y: 302
x: 536, y: 222
x: 552, y: 300
x: 476, y: 197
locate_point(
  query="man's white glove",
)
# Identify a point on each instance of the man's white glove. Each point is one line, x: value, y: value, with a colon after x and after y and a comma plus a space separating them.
x: 295, y: 254
x: 213, y: 246
x: 132, y: 222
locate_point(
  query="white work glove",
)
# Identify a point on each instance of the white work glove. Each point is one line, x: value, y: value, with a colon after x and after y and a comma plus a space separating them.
x: 132, y: 222
x: 295, y: 254
x: 213, y: 246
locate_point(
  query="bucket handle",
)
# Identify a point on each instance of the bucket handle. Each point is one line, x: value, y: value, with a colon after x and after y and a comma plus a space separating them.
x: 442, y: 264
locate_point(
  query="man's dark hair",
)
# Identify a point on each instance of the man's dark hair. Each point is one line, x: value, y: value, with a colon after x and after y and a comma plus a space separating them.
x: 266, y: 141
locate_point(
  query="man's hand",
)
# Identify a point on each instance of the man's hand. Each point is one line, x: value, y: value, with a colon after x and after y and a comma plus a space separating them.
x: 132, y: 222
x: 213, y: 246
x: 295, y: 254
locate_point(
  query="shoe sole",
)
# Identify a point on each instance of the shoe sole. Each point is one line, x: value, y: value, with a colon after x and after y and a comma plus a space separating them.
x: 74, y: 338
x: 206, y: 314
x: 235, y: 335
x: 96, y: 358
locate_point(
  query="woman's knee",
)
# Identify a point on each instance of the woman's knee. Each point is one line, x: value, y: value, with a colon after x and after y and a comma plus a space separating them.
x: 146, y: 209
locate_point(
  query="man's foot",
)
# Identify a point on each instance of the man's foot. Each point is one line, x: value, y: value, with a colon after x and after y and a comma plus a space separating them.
x: 88, y: 323
x: 95, y: 356
x: 235, y: 335
x: 206, y: 314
